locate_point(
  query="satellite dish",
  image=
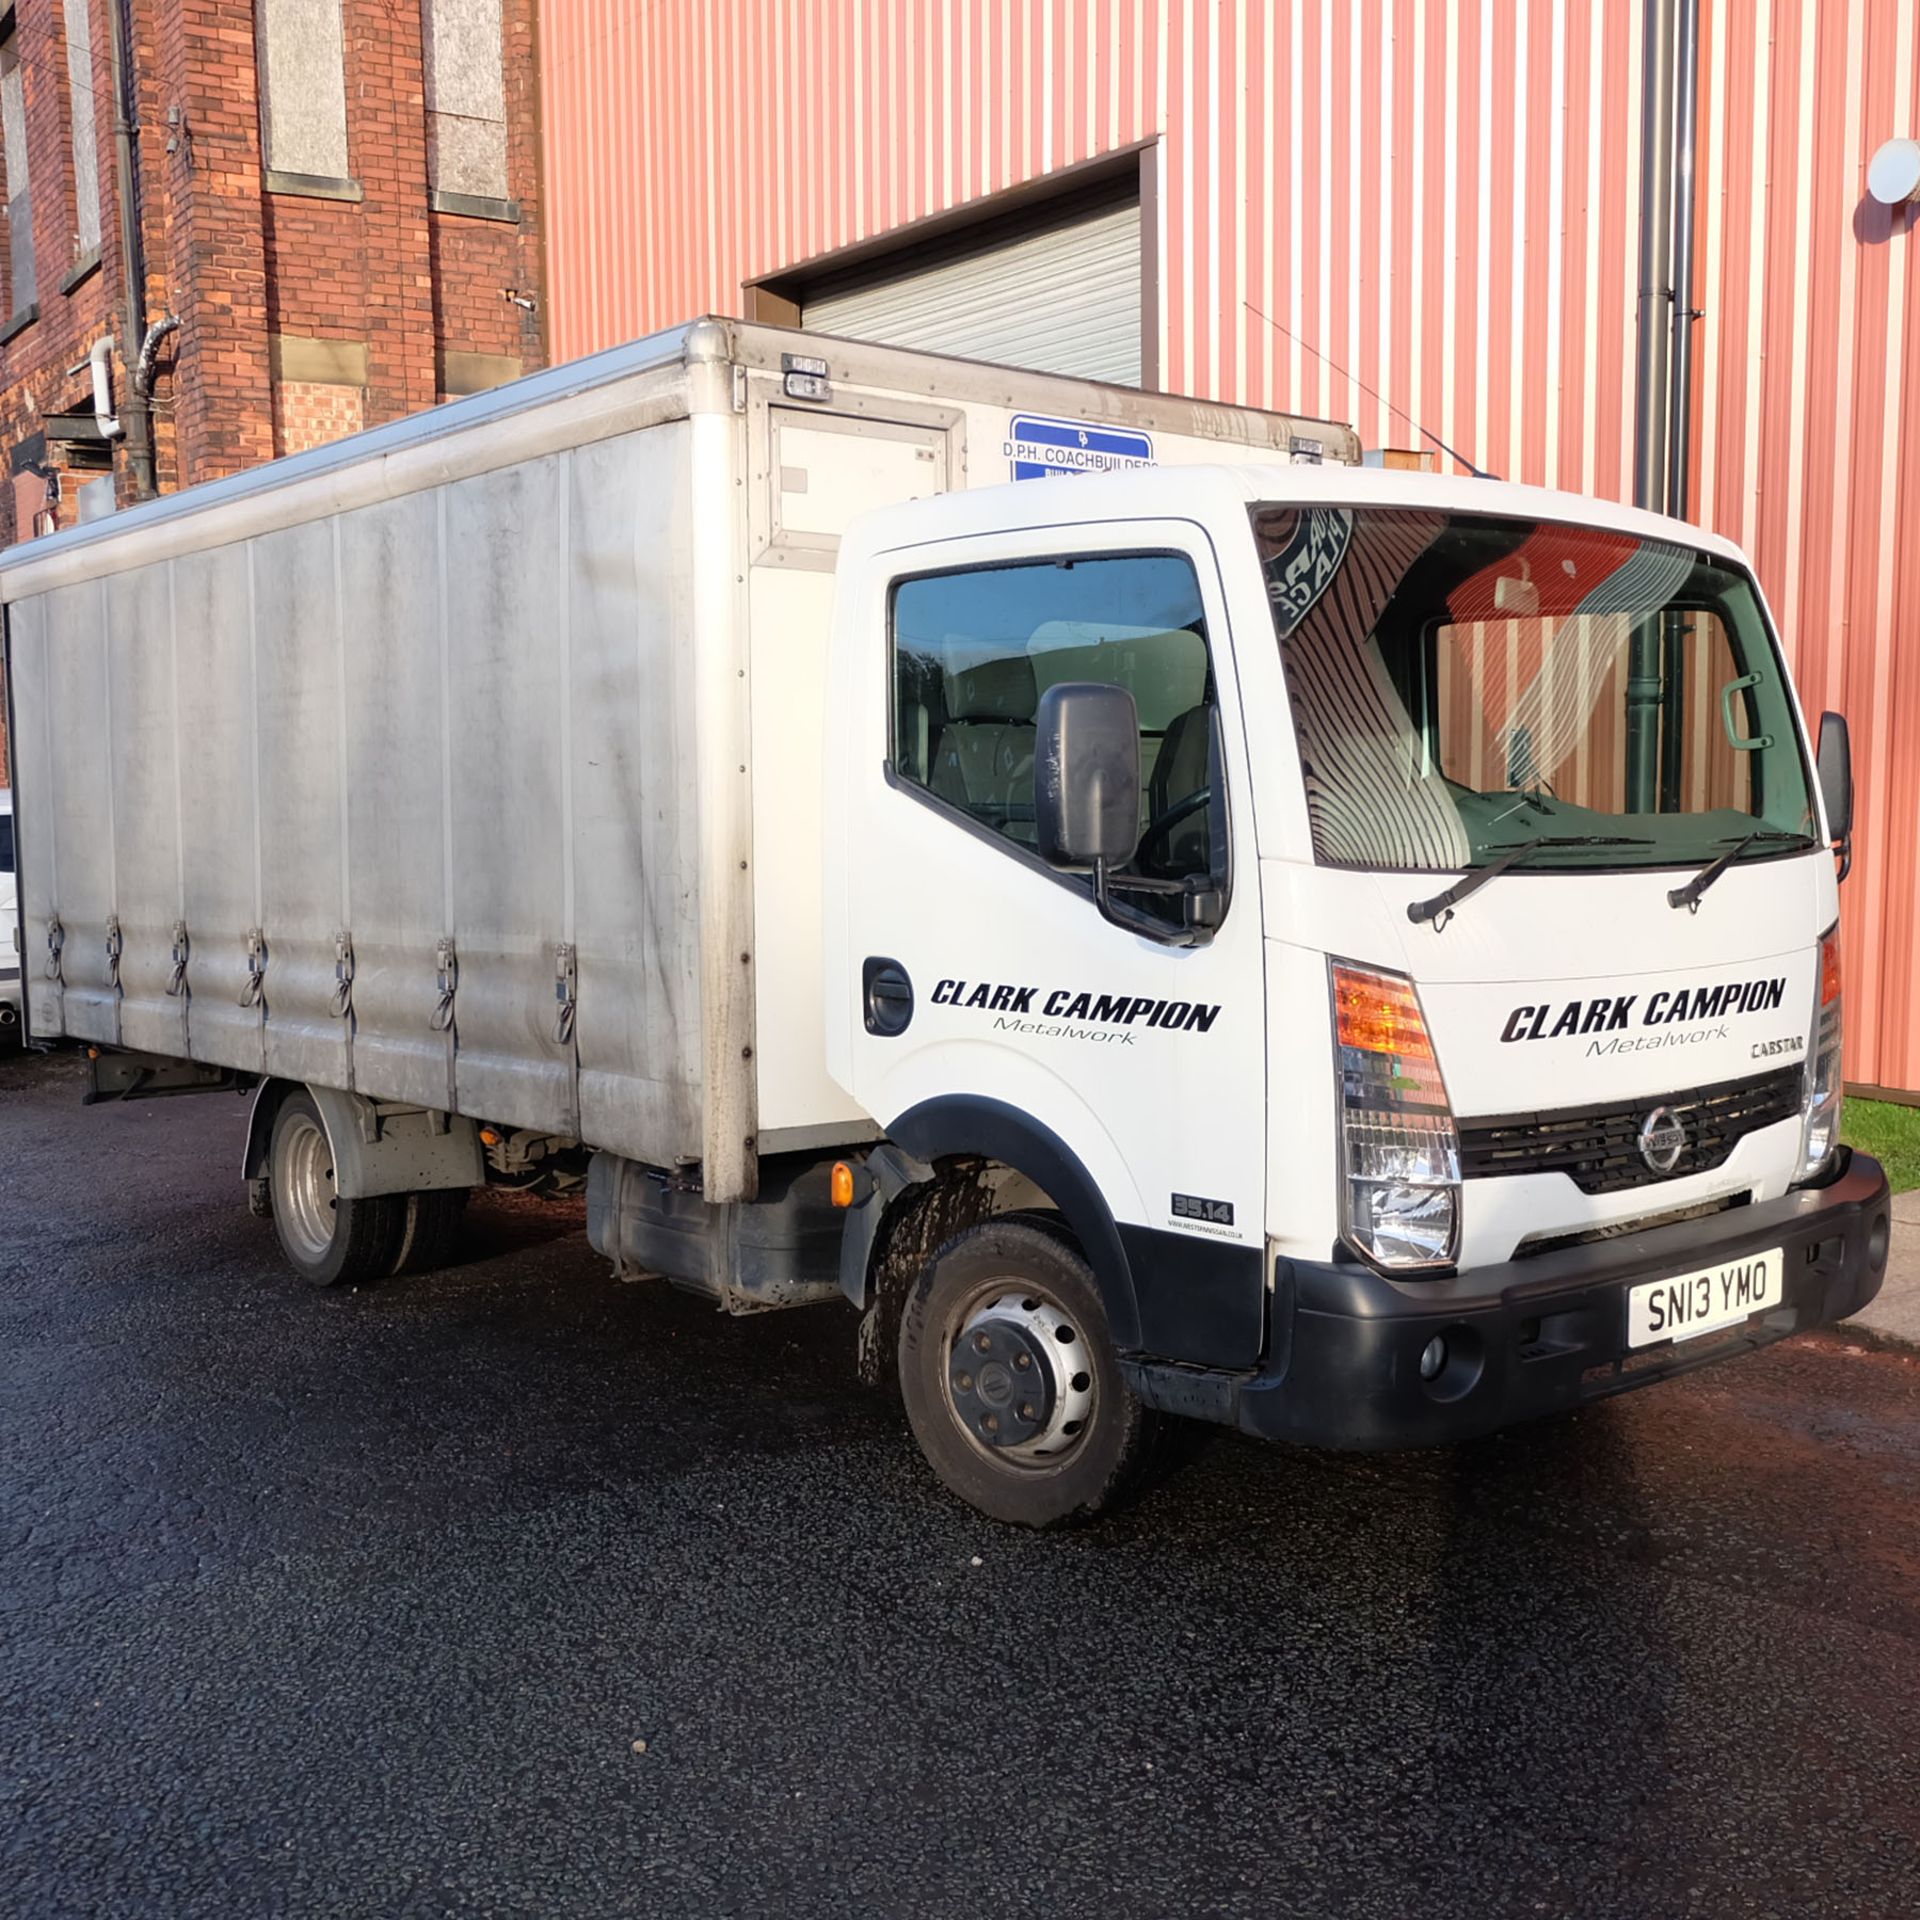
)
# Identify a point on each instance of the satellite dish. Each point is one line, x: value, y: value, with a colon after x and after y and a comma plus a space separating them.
x: 1893, y: 174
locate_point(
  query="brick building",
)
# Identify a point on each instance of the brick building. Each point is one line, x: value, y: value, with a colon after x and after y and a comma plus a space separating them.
x: 336, y: 222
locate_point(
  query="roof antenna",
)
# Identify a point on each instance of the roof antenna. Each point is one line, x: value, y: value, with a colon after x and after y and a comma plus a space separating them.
x: 1479, y: 473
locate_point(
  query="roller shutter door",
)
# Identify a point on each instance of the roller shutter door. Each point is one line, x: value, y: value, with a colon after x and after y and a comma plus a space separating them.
x: 1065, y: 299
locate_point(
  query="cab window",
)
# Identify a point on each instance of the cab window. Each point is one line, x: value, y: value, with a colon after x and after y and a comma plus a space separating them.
x: 974, y: 650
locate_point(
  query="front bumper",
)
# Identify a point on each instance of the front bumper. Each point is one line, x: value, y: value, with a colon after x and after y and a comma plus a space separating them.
x: 1528, y: 1337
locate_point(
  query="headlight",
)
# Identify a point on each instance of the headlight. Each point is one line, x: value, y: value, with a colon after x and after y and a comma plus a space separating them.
x: 1400, y: 1153
x: 1820, y: 1120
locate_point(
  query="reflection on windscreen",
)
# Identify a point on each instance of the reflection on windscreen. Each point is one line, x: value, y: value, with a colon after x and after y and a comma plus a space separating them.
x: 1463, y: 684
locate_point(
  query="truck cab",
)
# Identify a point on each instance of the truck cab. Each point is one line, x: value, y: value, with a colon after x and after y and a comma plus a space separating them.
x: 1385, y: 926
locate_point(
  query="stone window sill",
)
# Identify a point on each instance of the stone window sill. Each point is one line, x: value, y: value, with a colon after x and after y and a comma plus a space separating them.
x: 82, y: 269
x: 313, y: 186
x: 475, y: 206
x: 20, y: 322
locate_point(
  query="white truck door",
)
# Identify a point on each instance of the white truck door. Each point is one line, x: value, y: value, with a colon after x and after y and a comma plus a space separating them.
x: 974, y: 978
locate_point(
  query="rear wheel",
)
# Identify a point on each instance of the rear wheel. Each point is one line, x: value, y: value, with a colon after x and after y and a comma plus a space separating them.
x: 328, y: 1241
x: 1011, y: 1381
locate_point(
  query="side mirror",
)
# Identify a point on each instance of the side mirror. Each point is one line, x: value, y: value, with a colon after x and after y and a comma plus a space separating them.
x: 1086, y: 775
x: 1835, y: 764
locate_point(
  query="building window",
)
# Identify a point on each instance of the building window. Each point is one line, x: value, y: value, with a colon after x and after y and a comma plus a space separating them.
x: 466, y: 99
x: 303, y: 88
x: 86, y: 146
x: 13, y: 126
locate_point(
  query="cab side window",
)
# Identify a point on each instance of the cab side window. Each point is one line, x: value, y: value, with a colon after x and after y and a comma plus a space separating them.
x: 974, y: 650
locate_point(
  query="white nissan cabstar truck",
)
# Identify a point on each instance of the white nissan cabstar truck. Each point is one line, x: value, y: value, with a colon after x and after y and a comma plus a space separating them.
x: 1222, y: 933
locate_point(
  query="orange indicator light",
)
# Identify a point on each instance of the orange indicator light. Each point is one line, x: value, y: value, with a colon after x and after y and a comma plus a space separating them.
x: 1378, y: 1014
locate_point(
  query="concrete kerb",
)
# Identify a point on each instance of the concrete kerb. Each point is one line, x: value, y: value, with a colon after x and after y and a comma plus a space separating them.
x: 1894, y: 1315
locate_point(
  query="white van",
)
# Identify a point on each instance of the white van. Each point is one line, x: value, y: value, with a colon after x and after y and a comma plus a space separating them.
x: 1349, y: 955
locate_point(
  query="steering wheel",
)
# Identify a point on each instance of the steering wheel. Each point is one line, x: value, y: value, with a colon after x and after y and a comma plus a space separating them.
x: 1162, y: 825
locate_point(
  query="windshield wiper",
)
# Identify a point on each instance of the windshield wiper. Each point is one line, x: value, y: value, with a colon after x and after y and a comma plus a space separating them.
x: 1689, y: 895
x: 1440, y: 908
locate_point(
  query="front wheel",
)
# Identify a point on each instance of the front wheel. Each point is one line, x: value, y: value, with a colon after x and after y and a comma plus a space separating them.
x: 328, y: 1241
x: 1011, y: 1381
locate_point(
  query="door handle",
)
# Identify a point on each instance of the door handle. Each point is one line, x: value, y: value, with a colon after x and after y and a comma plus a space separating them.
x: 886, y: 995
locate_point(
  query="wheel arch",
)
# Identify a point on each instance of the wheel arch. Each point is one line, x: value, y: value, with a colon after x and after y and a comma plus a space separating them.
x: 268, y: 1098
x: 972, y: 1126
x: 376, y: 1149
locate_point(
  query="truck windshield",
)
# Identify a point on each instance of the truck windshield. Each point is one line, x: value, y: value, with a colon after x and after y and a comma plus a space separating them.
x: 1463, y: 684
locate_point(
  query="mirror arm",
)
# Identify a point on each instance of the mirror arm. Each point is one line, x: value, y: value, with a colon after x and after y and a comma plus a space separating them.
x: 1206, y: 907
x: 1843, y: 849
x: 1132, y: 920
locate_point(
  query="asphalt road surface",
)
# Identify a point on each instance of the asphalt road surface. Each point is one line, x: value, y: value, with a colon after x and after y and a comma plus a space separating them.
x: 358, y: 1604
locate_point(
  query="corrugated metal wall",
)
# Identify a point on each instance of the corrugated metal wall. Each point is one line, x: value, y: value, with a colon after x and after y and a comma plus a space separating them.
x: 1371, y: 209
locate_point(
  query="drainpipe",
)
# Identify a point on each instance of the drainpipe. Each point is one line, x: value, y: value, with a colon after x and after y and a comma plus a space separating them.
x: 1650, y: 393
x: 1656, y: 258
x: 1685, y: 140
x: 1686, y: 120
x: 133, y: 268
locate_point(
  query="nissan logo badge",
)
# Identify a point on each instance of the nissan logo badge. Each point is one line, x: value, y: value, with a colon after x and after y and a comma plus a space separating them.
x: 1662, y: 1140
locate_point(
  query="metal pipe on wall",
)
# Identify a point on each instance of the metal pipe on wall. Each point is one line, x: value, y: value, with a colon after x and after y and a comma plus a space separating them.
x: 1656, y: 257
x: 133, y: 272
x: 1650, y: 392
x: 1673, y: 650
x: 1686, y: 123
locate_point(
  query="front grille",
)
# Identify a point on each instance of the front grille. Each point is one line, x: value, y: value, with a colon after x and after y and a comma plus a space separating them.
x: 1599, y: 1147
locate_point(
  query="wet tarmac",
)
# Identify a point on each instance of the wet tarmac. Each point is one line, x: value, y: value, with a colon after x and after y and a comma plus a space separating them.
x: 359, y: 1604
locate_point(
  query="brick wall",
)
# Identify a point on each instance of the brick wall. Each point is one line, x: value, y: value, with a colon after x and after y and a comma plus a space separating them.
x: 213, y: 227
x: 71, y: 305
x: 303, y: 317
x: 309, y: 413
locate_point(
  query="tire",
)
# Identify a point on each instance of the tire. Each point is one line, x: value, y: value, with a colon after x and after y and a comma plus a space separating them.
x: 1078, y: 1445
x: 429, y: 1229
x: 328, y: 1241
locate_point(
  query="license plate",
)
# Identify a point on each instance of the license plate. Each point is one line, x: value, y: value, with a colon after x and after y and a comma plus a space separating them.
x: 1694, y: 1303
